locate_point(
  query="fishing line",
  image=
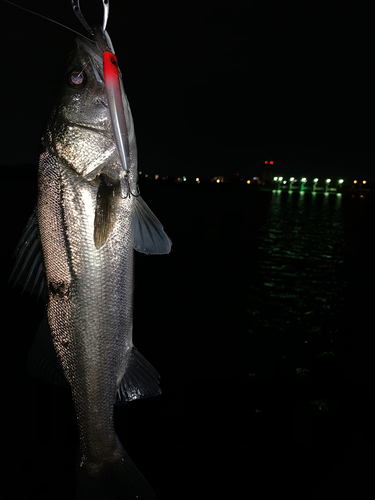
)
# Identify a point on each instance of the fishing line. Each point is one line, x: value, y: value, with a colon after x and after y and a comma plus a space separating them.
x: 47, y: 18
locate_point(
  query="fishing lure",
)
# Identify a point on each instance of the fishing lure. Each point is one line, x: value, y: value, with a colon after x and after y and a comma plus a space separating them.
x: 112, y: 80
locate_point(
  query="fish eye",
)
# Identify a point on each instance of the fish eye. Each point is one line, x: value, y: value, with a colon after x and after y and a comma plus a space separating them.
x: 77, y: 78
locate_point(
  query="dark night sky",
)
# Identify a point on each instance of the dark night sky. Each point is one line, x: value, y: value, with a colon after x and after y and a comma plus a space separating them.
x: 210, y: 83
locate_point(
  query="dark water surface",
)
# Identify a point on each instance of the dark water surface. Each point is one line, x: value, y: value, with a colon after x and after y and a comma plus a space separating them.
x: 260, y: 324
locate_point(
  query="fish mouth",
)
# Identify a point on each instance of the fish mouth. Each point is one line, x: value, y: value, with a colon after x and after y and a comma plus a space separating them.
x: 97, y: 130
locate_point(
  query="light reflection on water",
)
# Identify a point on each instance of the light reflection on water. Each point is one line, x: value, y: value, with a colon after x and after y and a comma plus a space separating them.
x: 300, y: 285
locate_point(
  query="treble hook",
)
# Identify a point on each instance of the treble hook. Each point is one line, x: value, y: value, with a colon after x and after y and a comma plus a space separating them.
x: 126, y: 190
x: 82, y: 20
x: 105, y: 13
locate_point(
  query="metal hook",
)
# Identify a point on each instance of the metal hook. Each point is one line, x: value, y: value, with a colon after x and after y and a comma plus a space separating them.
x: 126, y: 191
x: 82, y: 20
x: 105, y: 13
x: 78, y: 13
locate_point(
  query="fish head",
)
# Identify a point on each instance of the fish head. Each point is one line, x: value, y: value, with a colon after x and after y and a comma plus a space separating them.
x: 80, y: 129
x: 83, y: 98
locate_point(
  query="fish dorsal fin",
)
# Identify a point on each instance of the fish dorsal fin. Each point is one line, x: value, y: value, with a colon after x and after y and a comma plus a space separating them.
x: 108, y: 204
x: 149, y: 236
x: 28, y: 270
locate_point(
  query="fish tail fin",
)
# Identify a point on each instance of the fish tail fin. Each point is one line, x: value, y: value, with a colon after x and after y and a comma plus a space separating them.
x: 117, y: 479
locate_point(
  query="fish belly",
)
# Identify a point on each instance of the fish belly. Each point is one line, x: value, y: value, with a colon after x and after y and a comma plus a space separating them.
x: 90, y: 299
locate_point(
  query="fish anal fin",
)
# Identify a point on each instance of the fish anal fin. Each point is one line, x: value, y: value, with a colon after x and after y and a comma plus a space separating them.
x: 149, y: 235
x: 140, y: 380
x: 108, y: 204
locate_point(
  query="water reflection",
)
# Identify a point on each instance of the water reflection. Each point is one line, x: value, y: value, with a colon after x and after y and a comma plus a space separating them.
x: 299, y: 292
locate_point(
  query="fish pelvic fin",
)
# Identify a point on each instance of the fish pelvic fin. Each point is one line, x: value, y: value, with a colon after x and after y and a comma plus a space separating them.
x: 140, y: 380
x: 108, y: 204
x: 113, y: 479
x: 149, y: 235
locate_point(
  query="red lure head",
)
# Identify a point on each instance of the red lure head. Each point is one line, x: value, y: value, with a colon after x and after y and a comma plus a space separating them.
x: 110, y: 68
x: 116, y: 106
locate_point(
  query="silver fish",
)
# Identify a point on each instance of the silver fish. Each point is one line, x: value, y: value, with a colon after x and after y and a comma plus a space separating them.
x: 88, y: 221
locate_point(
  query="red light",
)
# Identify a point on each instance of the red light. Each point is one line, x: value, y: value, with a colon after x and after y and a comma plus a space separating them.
x: 266, y: 162
x: 271, y: 162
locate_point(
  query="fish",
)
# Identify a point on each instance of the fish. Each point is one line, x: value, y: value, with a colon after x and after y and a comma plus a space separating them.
x: 77, y: 251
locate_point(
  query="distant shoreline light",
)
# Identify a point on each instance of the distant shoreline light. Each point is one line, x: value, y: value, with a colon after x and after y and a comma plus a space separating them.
x: 294, y: 183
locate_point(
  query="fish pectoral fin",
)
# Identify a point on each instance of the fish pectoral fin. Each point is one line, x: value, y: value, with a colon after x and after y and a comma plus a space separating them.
x: 108, y: 204
x: 140, y: 380
x: 28, y: 269
x: 149, y: 236
x: 42, y: 362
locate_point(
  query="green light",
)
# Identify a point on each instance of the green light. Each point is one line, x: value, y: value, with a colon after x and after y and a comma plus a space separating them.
x: 341, y: 181
x: 184, y: 178
x: 316, y: 180
x: 291, y: 179
x: 280, y: 179
x: 303, y: 179
x: 328, y: 181
x: 275, y: 178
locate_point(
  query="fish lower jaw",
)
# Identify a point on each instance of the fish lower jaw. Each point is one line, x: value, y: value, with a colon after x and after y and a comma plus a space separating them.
x: 98, y: 128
